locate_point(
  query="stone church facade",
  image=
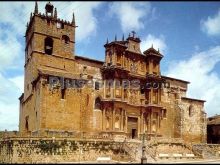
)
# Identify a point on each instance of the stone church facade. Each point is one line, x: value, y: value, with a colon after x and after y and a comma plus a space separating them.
x: 125, y: 95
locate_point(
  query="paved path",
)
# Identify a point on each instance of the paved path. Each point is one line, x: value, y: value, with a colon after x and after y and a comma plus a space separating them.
x: 204, y: 161
x: 209, y: 161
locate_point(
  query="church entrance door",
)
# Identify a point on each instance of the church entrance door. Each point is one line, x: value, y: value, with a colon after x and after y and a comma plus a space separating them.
x: 132, y: 127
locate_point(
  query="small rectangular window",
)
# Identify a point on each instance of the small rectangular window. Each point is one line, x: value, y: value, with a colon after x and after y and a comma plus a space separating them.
x: 58, y: 25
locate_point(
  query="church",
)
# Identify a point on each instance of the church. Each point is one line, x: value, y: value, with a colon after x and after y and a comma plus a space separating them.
x: 123, y: 96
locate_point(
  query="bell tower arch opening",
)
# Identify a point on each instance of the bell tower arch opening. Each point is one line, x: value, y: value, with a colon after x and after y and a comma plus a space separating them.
x: 48, y: 45
x: 49, y: 9
x: 66, y: 39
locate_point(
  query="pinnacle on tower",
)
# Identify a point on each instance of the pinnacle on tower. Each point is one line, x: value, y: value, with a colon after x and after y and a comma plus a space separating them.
x: 31, y: 16
x: 115, y: 37
x: 152, y: 46
x: 123, y: 37
x: 55, y: 13
x: 36, y: 8
x: 107, y: 41
x: 158, y: 50
x: 73, y: 20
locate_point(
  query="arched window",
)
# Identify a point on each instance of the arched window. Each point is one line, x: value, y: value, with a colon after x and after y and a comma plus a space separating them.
x: 66, y: 39
x: 190, y: 110
x: 48, y: 45
x: 97, y: 103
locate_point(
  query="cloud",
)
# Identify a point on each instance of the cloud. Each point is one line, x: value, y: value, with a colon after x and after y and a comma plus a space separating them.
x: 130, y: 14
x: 158, y: 42
x: 205, y: 82
x: 10, y: 91
x: 11, y: 51
x: 211, y: 26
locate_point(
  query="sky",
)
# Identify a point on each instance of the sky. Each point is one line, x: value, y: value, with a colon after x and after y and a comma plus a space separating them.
x: 187, y: 34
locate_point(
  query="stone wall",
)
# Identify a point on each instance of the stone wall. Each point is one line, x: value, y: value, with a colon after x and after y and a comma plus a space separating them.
x: 42, y: 150
x: 194, y: 121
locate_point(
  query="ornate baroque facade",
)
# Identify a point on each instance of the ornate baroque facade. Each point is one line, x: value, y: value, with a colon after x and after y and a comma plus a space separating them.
x: 113, y: 105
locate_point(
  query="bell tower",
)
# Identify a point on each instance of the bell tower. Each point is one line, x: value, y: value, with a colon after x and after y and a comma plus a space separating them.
x: 50, y: 35
x: 153, y: 59
x: 49, y: 51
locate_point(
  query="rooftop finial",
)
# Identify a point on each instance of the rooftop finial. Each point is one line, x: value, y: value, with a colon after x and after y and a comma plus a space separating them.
x: 73, y: 20
x: 158, y: 50
x: 133, y: 32
x: 115, y: 37
x: 123, y: 37
x: 152, y: 46
x: 49, y: 9
x: 55, y: 13
x: 36, y: 8
x: 107, y: 41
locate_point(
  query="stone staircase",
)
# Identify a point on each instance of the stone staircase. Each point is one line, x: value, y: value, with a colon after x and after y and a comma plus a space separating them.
x: 171, y: 149
x: 208, y: 151
x: 135, y: 152
x: 132, y: 150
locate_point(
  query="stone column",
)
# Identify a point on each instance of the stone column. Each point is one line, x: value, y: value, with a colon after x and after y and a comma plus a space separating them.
x: 151, y: 96
x: 122, y: 91
x: 114, y: 88
x: 150, y: 67
x: 126, y: 123
x: 122, y: 119
x: 139, y: 97
x: 159, y: 95
x: 104, y: 89
x: 129, y: 64
x: 142, y: 122
x: 103, y: 119
x: 113, y: 119
x: 158, y: 128
x: 123, y: 60
x: 150, y: 121
x: 158, y: 68
x: 139, y: 126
